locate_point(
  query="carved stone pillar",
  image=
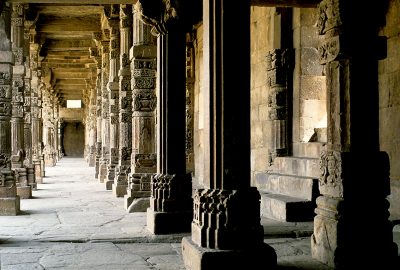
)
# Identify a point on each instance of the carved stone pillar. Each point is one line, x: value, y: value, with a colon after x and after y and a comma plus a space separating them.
x: 354, y: 180
x: 48, y: 128
x: 92, y: 120
x: 96, y: 54
x: 125, y: 104
x: 112, y: 14
x: 28, y: 162
x: 36, y: 113
x: 190, y: 80
x: 226, y: 229
x: 144, y: 160
x: 105, y: 111
x: 278, y: 72
x: 170, y: 208
x: 17, y: 103
x: 9, y: 200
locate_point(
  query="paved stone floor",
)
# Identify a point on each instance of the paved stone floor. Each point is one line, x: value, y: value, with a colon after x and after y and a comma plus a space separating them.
x: 74, y: 223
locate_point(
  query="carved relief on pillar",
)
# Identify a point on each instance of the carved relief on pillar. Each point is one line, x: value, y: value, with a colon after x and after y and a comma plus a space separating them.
x: 226, y: 219
x: 329, y: 25
x: 169, y: 193
x: 190, y: 80
x: 279, y: 64
x: 330, y: 180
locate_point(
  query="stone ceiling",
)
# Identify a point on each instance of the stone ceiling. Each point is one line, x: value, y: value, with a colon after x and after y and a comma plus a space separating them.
x: 65, y: 29
x: 65, y: 32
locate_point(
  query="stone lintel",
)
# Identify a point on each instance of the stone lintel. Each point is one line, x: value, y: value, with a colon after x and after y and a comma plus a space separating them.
x: 285, y: 3
x: 9, y: 206
x: 168, y: 222
x: 252, y: 257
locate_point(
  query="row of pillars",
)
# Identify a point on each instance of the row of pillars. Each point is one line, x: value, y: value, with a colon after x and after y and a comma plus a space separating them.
x: 23, y: 100
x: 224, y: 215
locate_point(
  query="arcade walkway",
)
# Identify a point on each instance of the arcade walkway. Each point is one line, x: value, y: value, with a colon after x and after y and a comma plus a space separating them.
x: 74, y: 223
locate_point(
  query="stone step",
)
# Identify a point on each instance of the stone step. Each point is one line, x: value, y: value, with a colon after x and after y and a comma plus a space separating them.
x: 297, y: 166
x: 296, y: 186
x: 286, y: 208
x: 308, y: 149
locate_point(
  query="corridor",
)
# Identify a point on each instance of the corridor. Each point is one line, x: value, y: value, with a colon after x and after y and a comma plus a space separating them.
x: 73, y: 222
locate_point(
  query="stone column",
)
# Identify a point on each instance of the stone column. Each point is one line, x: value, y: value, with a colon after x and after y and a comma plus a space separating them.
x: 278, y: 74
x: 105, y: 111
x: 112, y: 14
x: 60, y: 138
x: 48, y: 128
x: 17, y: 103
x: 354, y: 182
x: 9, y: 200
x: 96, y: 54
x: 36, y: 104
x: 92, y: 120
x: 190, y: 80
x: 170, y: 208
x: 144, y: 159
x: 28, y: 162
x: 125, y: 104
x: 226, y: 229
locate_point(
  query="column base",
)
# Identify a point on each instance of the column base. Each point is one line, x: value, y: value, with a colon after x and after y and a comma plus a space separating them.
x: 255, y: 257
x: 138, y: 205
x: 119, y: 190
x: 9, y: 206
x: 109, y: 184
x: 24, y: 192
x: 33, y: 186
x: 132, y: 195
x: 168, y: 222
x: 102, y: 173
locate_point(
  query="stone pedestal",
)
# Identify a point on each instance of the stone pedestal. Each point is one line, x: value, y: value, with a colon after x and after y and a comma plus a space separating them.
x: 261, y: 256
x: 24, y: 191
x: 166, y: 222
x: 137, y: 198
x: 170, y: 208
x: 9, y: 200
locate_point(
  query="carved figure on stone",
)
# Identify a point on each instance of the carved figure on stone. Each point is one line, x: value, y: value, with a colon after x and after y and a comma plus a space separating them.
x: 331, y: 168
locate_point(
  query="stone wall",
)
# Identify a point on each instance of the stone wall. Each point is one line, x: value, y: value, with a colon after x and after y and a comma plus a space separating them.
x: 309, y: 91
x: 261, y: 42
x: 389, y: 102
x: 72, y: 114
x: 73, y: 139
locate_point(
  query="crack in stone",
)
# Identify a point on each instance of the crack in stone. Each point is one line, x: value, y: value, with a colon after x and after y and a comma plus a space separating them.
x: 111, y: 221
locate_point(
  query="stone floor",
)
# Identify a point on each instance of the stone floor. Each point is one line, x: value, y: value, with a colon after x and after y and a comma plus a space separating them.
x: 74, y: 223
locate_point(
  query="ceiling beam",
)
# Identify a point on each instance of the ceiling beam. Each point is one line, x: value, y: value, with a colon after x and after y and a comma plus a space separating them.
x: 73, y: 10
x: 69, y: 24
x: 285, y: 3
x: 78, y: 2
